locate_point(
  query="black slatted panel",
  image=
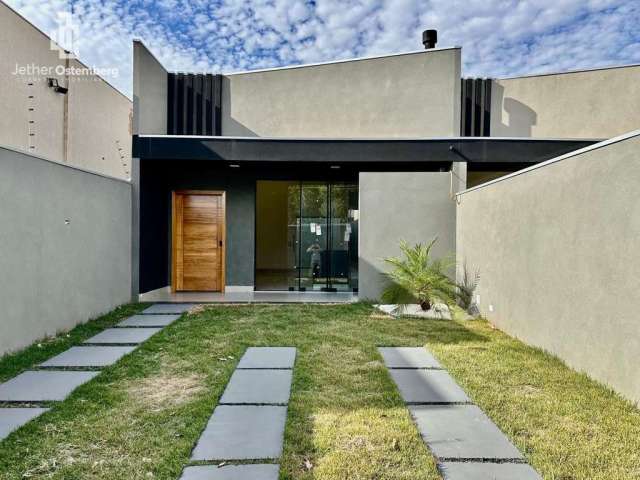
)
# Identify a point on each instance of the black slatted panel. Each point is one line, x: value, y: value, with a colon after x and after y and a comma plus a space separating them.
x: 194, y: 104
x: 475, y: 108
x: 208, y: 105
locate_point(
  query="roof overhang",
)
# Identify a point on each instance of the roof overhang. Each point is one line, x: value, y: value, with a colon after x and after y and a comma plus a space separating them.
x: 349, y: 151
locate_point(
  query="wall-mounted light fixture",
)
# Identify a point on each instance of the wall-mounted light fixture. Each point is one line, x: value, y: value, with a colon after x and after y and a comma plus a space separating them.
x: 53, y: 83
x: 234, y: 165
x: 335, y: 167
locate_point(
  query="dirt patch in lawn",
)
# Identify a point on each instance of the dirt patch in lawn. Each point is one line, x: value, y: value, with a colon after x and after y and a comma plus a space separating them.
x: 166, y: 390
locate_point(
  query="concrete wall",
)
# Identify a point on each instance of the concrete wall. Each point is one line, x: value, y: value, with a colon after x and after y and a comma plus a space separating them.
x: 99, y: 128
x: 97, y: 132
x: 589, y: 104
x: 65, y: 241
x: 557, y: 252
x: 149, y: 92
x: 413, y: 206
x: 407, y: 95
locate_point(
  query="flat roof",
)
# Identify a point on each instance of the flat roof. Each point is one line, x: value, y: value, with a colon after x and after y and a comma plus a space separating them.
x: 355, y: 150
x: 305, y: 65
x: 567, y: 72
x: 346, y: 60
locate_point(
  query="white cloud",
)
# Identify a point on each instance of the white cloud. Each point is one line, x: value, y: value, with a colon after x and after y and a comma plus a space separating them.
x: 499, y: 37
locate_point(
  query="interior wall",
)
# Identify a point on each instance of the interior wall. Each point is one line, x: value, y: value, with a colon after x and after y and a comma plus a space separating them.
x: 394, y: 206
x: 66, y: 243
x: 272, y: 225
x: 556, y: 248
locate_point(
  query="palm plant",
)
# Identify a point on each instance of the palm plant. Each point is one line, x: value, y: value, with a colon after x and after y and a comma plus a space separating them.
x: 418, y: 278
x: 467, y: 287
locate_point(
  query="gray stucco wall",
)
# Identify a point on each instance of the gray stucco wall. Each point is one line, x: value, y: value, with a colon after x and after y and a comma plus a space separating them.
x: 557, y: 252
x: 413, y: 206
x: 55, y: 274
x: 149, y: 93
x: 589, y: 104
x: 406, y: 95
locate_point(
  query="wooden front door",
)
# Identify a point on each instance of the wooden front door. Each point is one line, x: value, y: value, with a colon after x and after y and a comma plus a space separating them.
x: 198, y: 241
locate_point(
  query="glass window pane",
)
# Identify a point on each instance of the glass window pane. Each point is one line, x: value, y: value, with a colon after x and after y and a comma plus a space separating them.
x: 277, y: 207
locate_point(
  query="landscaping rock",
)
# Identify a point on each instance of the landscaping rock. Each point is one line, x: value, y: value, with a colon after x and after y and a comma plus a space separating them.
x: 438, y: 311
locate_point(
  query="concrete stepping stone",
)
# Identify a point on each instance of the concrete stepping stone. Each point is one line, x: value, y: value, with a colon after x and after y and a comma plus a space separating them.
x: 408, y: 357
x: 160, y: 320
x: 43, y: 386
x: 232, y: 472
x: 245, y: 432
x: 462, y: 432
x: 163, y: 308
x: 268, y: 357
x: 428, y: 386
x: 123, y: 335
x: 258, y: 387
x: 88, y: 357
x: 13, y: 418
x: 487, y: 471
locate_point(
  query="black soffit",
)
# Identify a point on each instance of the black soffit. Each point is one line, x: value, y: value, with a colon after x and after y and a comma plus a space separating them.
x: 250, y: 149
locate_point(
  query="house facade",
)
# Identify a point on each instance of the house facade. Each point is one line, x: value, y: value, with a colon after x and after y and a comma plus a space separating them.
x: 304, y: 178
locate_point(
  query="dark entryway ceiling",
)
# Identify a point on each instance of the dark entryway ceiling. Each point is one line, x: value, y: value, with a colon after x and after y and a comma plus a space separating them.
x: 348, y: 151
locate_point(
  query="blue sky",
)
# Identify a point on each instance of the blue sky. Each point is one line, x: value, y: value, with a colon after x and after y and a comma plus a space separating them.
x: 499, y: 37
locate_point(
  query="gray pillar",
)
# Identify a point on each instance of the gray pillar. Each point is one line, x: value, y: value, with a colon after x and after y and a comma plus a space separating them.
x: 135, y: 229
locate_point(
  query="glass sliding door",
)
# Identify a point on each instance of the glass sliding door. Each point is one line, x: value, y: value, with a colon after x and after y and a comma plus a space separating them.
x: 306, y: 236
x: 343, y: 237
x: 314, y: 236
x: 277, y: 217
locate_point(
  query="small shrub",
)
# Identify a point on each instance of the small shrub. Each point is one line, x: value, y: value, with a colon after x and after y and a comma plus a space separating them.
x: 418, y: 278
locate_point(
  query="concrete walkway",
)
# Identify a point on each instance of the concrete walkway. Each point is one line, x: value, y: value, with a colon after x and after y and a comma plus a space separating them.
x: 248, y: 423
x: 166, y: 295
x: 55, y: 379
x: 466, y: 443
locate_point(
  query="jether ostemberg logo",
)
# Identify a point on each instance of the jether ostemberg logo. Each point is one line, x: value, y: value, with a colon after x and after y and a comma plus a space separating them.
x: 65, y: 38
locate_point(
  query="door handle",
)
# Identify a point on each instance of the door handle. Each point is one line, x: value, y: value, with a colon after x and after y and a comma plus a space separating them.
x: 220, y: 243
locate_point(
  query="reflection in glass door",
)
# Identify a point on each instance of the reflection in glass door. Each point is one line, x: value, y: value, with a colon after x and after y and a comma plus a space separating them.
x: 343, y: 237
x: 313, y: 236
x: 306, y: 236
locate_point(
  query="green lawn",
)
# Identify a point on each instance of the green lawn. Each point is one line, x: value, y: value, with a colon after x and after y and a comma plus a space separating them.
x: 140, y: 418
